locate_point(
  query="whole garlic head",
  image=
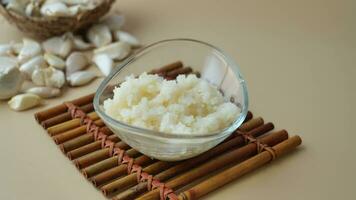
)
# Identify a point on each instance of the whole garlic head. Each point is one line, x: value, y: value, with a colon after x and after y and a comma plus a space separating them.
x: 11, y: 78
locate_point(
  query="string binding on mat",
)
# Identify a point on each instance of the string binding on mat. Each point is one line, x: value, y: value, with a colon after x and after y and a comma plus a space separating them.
x: 260, y: 146
x: 123, y: 158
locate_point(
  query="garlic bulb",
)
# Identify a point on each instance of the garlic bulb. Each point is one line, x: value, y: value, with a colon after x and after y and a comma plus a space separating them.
x: 30, y: 49
x: 44, y: 92
x: 99, y: 35
x: 11, y: 78
x: 24, y: 101
x: 80, y: 78
x: 116, y: 51
x: 76, y: 61
x: 104, y: 63
x: 60, y: 46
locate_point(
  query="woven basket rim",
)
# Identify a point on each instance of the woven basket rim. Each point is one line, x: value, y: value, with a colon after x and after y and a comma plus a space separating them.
x: 36, y: 19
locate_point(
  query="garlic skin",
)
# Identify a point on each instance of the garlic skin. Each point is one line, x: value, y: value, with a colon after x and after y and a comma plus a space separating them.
x: 60, y: 46
x: 81, y: 78
x: 123, y: 36
x: 116, y: 50
x: 49, y: 77
x: 55, y: 61
x: 44, y: 92
x: 76, y: 61
x: 28, y: 67
x: 104, y: 63
x: 11, y: 78
x: 30, y: 49
x: 99, y: 35
x: 114, y: 22
x: 24, y: 101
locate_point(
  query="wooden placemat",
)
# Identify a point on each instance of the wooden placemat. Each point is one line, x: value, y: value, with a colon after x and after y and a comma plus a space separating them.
x: 123, y: 173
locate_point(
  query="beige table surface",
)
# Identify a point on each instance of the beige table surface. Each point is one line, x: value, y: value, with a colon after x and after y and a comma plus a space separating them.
x: 298, y: 58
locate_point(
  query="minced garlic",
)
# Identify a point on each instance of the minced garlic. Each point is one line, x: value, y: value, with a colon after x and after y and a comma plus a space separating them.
x: 187, y: 105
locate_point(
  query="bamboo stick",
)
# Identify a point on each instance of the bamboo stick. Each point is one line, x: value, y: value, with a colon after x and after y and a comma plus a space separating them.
x: 82, y: 140
x: 81, y: 130
x: 252, y: 123
x: 62, y: 108
x: 97, y: 156
x: 190, y: 163
x: 118, y: 171
x: 131, y: 179
x: 89, y: 148
x: 106, y: 164
x: 219, y: 162
x: 65, y: 116
x: 167, y: 68
x: 239, y: 170
x: 65, y: 126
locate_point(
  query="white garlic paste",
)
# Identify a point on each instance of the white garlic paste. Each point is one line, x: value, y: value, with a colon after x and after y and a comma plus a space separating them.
x: 187, y: 105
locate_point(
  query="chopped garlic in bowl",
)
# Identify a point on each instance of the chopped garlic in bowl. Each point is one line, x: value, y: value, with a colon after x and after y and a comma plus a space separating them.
x: 187, y: 105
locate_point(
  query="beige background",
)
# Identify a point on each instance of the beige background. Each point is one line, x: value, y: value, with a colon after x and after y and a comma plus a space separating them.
x: 298, y: 58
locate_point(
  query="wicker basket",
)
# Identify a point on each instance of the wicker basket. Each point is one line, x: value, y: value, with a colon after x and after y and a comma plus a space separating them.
x: 41, y: 28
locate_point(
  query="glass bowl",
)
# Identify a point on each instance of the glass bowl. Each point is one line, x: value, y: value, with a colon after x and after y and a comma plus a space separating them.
x: 214, y: 65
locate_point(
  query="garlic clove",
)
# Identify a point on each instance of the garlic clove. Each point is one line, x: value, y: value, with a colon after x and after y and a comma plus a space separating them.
x: 11, y: 78
x: 81, y: 78
x: 104, y: 63
x: 28, y: 67
x: 116, y: 50
x: 24, y: 101
x: 44, y: 92
x: 99, y: 35
x: 60, y: 46
x: 5, y: 49
x: 56, y: 9
x: 56, y: 79
x: 49, y: 77
x: 123, y: 36
x: 30, y: 49
x: 16, y: 48
x: 76, y: 61
x: 55, y: 61
x: 29, y: 9
x: 114, y: 22
x: 79, y: 44
x: 17, y: 6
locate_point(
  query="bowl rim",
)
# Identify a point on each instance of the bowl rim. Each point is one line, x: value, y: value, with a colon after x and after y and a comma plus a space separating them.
x: 151, y: 133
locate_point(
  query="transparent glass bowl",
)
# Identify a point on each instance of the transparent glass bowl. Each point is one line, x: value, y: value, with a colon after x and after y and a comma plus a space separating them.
x: 214, y: 66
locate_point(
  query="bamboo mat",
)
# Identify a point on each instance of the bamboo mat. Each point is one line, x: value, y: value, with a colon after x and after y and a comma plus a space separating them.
x: 121, y: 172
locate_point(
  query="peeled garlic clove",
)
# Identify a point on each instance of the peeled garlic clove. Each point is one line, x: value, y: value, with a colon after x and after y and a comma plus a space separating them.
x: 38, y: 77
x: 99, y: 35
x: 5, y: 49
x: 28, y: 67
x: 60, y: 46
x: 123, y: 36
x: 104, y: 63
x: 57, y: 79
x: 29, y: 9
x: 116, y: 51
x: 76, y: 61
x: 30, y: 49
x: 24, y: 101
x: 11, y: 78
x: 80, y: 78
x: 79, y: 44
x: 54, y: 61
x: 17, y: 6
x: 55, y: 9
x: 44, y: 92
x: 16, y: 48
x: 114, y: 22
